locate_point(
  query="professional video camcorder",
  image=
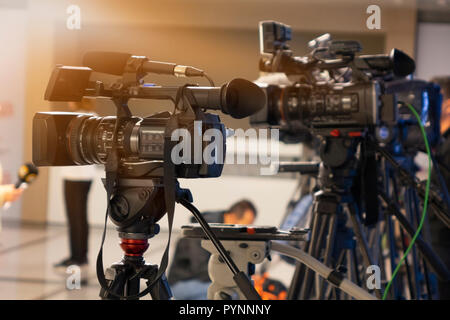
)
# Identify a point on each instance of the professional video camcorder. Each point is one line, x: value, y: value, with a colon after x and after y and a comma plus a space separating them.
x: 63, y: 139
x: 336, y: 92
x: 369, y: 121
x: 141, y: 158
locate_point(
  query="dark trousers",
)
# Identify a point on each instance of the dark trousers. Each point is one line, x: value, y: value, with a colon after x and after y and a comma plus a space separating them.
x: 76, y: 197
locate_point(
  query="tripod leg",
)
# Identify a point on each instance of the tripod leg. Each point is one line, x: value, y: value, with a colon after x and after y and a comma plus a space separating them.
x: 120, y: 283
x: 392, y: 256
x: 116, y: 281
x: 161, y: 290
x: 316, y: 245
x: 348, y: 270
x: 357, y: 228
x: 311, y: 246
x: 408, y: 271
x: 300, y: 269
x: 334, y: 290
x: 328, y: 252
x: 422, y: 259
x: 415, y: 264
x: 427, y: 252
x: 132, y: 287
x: 375, y: 244
x: 355, y: 267
x: 294, y: 288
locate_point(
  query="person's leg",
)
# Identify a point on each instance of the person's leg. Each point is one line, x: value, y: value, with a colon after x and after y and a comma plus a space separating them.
x: 76, y: 196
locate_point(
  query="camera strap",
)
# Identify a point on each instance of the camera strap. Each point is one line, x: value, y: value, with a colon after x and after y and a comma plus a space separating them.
x: 169, y: 183
x: 111, y: 167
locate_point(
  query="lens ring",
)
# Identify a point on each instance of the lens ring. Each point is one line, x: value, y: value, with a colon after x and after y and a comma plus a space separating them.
x: 89, y: 140
x: 82, y: 140
x: 74, y: 137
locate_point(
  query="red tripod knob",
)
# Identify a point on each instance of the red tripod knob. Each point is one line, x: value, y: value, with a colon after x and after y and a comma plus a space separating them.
x: 134, y: 247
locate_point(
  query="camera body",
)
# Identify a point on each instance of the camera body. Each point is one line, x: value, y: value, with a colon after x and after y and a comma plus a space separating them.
x: 337, y: 93
x: 66, y: 139
x: 426, y: 99
x: 273, y: 36
x: 324, y: 107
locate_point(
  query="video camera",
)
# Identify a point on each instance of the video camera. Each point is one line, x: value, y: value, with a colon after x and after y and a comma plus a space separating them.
x: 337, y: 93
x: 141, y: 157
x: 64, y: 139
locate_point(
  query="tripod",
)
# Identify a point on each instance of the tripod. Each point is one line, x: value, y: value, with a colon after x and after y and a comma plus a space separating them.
x: 419, y: 277
x: 332, y: 240
x: 124, y: 277
x: 135, y: 208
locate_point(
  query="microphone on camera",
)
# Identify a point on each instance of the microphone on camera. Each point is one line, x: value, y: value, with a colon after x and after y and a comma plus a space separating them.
x: 238, y: 98
x: 117, y: 63
x: 28, y: 172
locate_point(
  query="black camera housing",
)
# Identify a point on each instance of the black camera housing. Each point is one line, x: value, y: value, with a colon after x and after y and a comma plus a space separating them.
x: 66, y: 139
x: 325, y: 107
x: 67, y: 83
x: 335, y: 92
x: 138, y: 145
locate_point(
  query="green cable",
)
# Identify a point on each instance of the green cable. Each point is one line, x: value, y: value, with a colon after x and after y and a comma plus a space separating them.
x: 425, y: 202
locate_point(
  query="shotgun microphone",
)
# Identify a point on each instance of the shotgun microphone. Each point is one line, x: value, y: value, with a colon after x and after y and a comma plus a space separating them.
x: 118, y: 63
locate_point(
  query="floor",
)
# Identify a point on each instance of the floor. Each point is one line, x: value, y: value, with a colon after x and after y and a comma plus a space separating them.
x: 27, y: 255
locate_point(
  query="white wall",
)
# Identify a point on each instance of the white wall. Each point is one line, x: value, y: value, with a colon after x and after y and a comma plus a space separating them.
x: 433, y: 50
x: 12, y: 96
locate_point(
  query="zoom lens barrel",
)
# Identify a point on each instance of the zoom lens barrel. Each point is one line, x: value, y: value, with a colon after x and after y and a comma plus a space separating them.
x: 299, y: 106
x: 65, y: 139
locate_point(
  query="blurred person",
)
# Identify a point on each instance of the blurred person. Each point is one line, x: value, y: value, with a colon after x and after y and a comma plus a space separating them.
x: 8, y: 193
x: 188, y: 274
x: 440, y: 234
x: 77, y: 183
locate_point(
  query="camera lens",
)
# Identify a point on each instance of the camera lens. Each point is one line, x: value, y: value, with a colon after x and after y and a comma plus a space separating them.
x: 90, y: 137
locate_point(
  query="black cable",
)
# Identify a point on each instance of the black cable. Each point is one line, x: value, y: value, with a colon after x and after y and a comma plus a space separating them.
x: 211, y: 82
x: 241, y: 279
x: 180, y: 96
x: 210, y: 235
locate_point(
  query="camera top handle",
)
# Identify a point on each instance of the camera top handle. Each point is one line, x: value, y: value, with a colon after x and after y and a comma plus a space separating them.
x: 326, y: 54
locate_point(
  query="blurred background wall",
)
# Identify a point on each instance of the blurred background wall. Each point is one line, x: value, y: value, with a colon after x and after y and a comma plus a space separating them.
x: 12, y: 95
x: 219, y: 36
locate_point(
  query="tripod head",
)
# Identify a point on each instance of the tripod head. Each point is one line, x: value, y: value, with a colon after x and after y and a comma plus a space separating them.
x: 136, y: 206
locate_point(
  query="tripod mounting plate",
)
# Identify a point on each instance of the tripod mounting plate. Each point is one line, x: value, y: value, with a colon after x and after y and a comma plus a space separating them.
x: 244, y: 232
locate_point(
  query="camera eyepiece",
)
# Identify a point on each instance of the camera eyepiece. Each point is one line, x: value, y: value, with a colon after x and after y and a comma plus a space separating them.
x: 241, y: 98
